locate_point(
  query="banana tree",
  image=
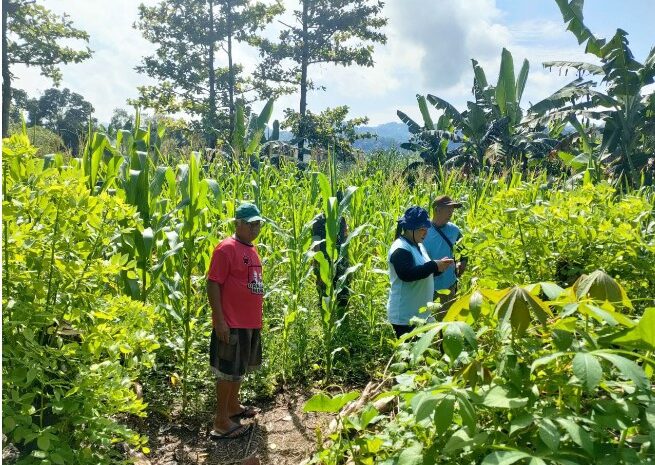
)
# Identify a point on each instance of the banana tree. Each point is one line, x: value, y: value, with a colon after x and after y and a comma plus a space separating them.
x: 623, y: 109
x: 431, y: 140
x: 491, y: 130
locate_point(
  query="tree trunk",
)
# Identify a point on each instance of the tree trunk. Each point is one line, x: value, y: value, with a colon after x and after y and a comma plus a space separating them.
x: 230, y: 65
x: 303, y: 79
x: 6, y: 77
x: 211, y: 139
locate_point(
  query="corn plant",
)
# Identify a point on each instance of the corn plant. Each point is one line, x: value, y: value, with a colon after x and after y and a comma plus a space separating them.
x: 332, y: 314
x: 200, y: 200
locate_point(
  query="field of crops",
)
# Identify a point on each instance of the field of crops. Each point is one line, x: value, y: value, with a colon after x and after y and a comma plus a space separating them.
x: 104, y: 263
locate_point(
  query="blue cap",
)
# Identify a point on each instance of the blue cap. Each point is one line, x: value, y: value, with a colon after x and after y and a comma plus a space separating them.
x: 414, y: 218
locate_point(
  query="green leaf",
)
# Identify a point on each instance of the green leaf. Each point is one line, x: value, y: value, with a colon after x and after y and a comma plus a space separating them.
x: 552, y: 290
x: 411, y: 456
x: 646, y: 327
x: 412, y: 125
x: 498, y: 397
x: 601, y: 286
x: 587, y: 369
x: 323, y: 403
x: 443, y: 414
x: 148, y: 241
x: 57, y: 458
x: 515, y: 308
x: 423, y: 107
x: 367, y: 415
x: 423, y: 343
x: 504, y: 457
x: 628, y: 368
x: 238, y: 143
x: 453, y: 341
x: 537, y: 461
x: 461, y: 439
x: 578, y: 434
x: 572, y: 15
x: 449, y: 110
x: 324, y: 268
x: 43, y: 442
x: 466, y: 410
x: 521, y: 80
x: 549, y: 434
x: 425, y: 405
x: 506, y: 87
x: 520, y: 422
x: 8, y: 424
x: 642, y: 335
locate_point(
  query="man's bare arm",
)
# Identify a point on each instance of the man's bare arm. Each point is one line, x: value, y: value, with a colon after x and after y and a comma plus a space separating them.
x: 218, y: 319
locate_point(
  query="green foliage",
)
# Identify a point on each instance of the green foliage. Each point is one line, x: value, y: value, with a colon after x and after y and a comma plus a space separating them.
x: 164, y: 215
x: 521, y: 398
x: 524, y: 233
x: 35, y: 37
x: 340, y: 32
x: 328, y: 129
x: 64, y: 112
x: 489, y: 134
x: 47, y: 141
x: 72, y: 346
x: 188, y: 35
x: 624, y: 108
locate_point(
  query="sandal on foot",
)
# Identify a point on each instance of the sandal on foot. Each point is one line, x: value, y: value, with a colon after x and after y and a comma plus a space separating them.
x: 233, y: 433
x: 247, y: 412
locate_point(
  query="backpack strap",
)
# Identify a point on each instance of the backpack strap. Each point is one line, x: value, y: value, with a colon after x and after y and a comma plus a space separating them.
x: 445, y: 238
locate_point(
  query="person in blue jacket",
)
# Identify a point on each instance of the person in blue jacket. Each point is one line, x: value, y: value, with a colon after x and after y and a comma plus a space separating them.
x: 411, y: 271
x: 440, y: 242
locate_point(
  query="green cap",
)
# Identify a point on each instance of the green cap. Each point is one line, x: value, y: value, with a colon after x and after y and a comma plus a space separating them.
x: 248, y: 212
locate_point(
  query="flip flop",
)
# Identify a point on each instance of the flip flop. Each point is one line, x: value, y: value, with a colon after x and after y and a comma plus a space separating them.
x: 247, y: 412
x: 233, y: 433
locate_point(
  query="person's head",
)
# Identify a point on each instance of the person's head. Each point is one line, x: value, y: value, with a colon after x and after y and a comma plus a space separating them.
x: 414, y: 224
x: 248, y: 222
x: 442, y: 209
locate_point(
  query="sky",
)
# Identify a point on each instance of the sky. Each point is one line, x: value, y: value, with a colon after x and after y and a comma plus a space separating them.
x: 430, y: 44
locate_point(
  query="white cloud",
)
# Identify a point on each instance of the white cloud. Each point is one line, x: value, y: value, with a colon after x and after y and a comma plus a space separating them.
x: 108, y: 78
x: 429, y: 50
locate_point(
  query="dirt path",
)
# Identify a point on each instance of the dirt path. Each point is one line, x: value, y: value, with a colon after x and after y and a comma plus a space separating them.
x: 282, y: 434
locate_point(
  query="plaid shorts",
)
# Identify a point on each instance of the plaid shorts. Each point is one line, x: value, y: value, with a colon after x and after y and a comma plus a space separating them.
x: 232, y: 361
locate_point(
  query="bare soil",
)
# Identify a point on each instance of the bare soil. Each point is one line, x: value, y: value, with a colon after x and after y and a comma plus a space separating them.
x: 282, y: 434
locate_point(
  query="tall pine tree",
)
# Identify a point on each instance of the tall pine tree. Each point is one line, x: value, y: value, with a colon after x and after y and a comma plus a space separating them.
x: 190, y: 36
x: 341, y: 32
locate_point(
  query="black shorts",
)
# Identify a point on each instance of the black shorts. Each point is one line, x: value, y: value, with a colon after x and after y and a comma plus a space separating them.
x: 232, y: 361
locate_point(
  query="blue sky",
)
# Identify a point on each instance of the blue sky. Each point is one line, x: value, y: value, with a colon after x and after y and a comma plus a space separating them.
x: 430, y: 44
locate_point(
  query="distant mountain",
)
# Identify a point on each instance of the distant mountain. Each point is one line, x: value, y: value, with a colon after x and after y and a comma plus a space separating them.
x: 388, y: 136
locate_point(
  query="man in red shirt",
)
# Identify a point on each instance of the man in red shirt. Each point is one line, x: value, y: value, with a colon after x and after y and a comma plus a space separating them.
x: 236, y: 292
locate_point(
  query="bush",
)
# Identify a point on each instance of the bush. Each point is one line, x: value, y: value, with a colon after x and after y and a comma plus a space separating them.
x: 528, y: 234
x: 46, y: 140
x: 71, y: 349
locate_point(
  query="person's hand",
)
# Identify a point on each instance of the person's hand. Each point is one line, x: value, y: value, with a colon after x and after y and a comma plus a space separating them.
x: 223, y: 332
x: 444, y: 263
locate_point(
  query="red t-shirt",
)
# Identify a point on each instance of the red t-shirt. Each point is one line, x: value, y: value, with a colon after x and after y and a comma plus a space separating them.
x: 236, y: 267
